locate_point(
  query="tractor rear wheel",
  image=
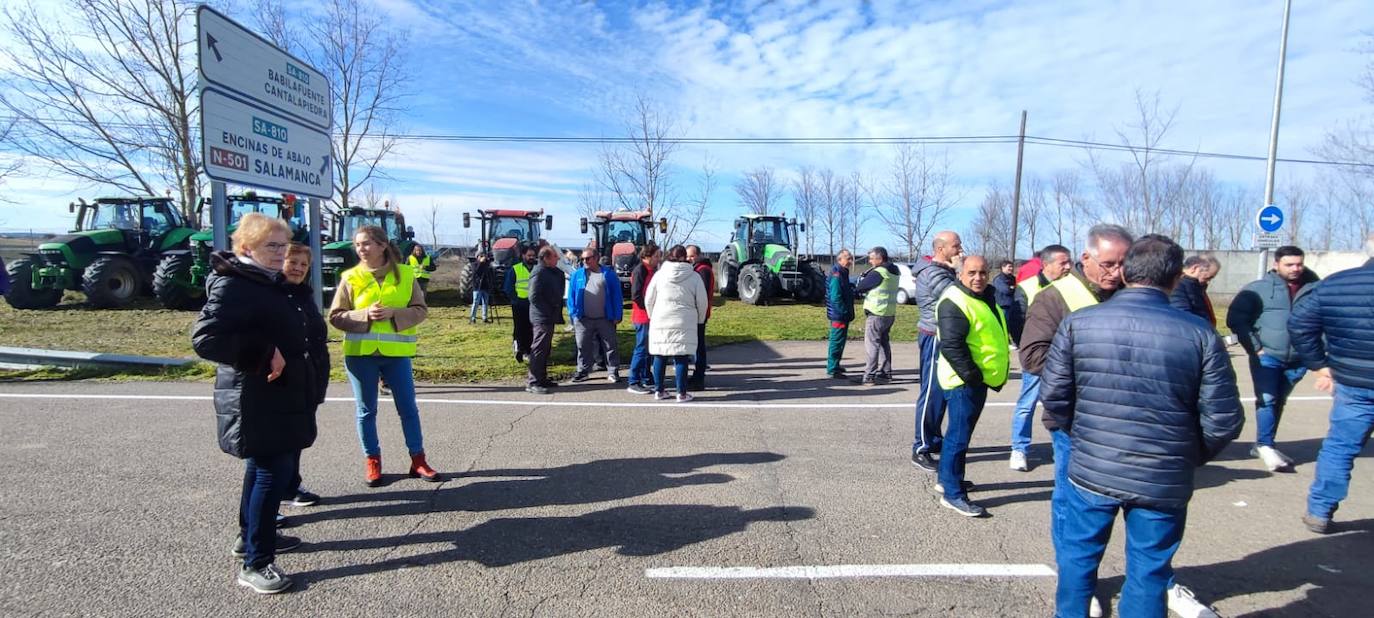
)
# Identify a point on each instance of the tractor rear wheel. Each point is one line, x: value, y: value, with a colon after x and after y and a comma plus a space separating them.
x: 811, y: 287
x: 21, y: 294
x: 467, y: 280
x: 111, y: 281
x: 172, y: 282
x: 755, y: 284
x: 729, y: 280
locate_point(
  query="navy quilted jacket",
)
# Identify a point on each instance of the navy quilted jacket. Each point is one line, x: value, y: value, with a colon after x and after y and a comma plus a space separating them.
x: 1333, y: 326
x: 839, y: 295
x: 1147, y: 393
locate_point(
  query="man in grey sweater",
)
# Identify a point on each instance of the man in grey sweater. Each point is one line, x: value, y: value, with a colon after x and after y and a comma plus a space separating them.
x: 932, y: 276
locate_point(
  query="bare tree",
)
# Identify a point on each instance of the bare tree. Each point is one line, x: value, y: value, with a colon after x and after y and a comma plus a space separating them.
x: 990, y: 232
x: 1299, y: 201
x: 432, y: 218
x: 591, y: 199
x: 1034, y: 208
x: 806, y: 196
x: 831, y: 191
x: 1067, y: 209
x: 692, y: 213
x: 857, y: 202
x: 759, y: 191
x: 103, y: 94
x: 1143, y: 195
x: 8, y: 167
x: 915, y: 196
x: 637, y: 176
x: 372, y: 199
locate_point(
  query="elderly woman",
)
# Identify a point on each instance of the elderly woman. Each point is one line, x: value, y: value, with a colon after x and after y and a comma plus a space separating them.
x: 266, y: 386
x: 304, y: 299
x: 676, y: 304
x: 378, y: 305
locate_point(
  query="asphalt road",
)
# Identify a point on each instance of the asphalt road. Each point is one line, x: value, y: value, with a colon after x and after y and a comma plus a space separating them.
x: 118, y: 503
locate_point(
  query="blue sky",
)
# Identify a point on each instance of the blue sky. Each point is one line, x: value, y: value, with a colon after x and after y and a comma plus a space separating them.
x: 770, y: 69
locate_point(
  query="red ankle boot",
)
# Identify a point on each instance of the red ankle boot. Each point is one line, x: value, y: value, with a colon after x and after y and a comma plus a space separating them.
x: 372, y: 477
x: 420, y: 468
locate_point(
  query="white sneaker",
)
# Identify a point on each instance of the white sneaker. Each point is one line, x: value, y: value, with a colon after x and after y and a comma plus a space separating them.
x: 1018, y: 461
x: 1272, y: 458
x: 1184, y: 603
x: 1094, y: 607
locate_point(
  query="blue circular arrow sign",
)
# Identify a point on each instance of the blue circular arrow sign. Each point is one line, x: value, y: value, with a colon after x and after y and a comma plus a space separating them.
x: 1269, y: 218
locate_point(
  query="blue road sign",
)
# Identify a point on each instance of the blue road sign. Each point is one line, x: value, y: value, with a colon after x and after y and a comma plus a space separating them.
x: 1269, y: 218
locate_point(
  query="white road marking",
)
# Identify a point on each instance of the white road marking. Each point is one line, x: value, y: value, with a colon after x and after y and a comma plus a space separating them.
x: 699, y: 403
x: 853, y: 570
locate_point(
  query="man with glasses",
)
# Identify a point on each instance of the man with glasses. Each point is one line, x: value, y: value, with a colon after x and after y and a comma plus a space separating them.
x: 596, y: 306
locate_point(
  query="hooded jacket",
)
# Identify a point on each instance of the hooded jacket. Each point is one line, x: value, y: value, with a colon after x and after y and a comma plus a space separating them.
x: 248, y: 314
x: 676, y: 303
x: 839, y: 296
x: 1258, y: 316
x: 931, y: 280
x: 1147, y: 393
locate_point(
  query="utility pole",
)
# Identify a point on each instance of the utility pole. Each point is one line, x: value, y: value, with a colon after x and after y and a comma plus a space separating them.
x: 1274, y: 130
x: 1016, y: 189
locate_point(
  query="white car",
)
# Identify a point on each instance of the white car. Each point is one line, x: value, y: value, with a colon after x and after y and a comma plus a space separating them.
x: 906, y: 285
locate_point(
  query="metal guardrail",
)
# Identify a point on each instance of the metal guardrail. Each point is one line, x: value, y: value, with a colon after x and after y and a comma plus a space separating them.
x: 66, y: 358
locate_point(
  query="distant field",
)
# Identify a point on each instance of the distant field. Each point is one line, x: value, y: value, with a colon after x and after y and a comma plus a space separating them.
x: 451, y: 350
x: 11, y: 248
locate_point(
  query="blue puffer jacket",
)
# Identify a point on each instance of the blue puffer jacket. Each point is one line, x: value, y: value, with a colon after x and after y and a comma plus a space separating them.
x: 1333, y: 326
x: 1147, y: 393
x: 839, y: 295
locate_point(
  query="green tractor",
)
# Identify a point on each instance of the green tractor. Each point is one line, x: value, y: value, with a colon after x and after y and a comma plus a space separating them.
x: 179, y: 281
x: 111, y: 255
x: 339, y: 256
x: 761, y: 262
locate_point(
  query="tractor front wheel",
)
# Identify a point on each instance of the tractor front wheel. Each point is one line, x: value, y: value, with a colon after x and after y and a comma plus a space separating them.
x: 729, y: 280
x: 755, y: 284
x: 111, y: 281
x: 22, y: 294
x: 467, y: 281
x: 172, y: 282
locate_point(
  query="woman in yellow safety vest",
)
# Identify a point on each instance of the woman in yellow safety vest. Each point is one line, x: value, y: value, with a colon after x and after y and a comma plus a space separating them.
x: 378, y: 304
x: 419, y: 262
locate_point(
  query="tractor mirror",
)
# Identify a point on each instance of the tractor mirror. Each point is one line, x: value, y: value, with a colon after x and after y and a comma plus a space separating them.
x: 71, y: 207
x: 802, y: 227
x: 582, y: 225
x: 467, y: 219
x: 410, y: 233
x: 548, y: 222
x: 663, y: 226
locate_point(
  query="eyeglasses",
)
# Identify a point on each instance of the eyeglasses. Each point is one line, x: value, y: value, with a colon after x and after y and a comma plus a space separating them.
x: 275, y: 247
x: 1108, y: 266
x: 589, y: 259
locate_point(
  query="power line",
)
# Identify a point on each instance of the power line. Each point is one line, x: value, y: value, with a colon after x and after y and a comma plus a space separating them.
x: 1053, y: 142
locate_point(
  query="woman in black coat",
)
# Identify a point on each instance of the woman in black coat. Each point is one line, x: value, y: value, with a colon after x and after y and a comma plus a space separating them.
x: 266, y: 385
x: 305, y: 300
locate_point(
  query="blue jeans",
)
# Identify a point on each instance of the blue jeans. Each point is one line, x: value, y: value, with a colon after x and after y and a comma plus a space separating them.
x: 1024, y: 415
x: 639, y: 359
x: 482, y: 298
x: 930, y: 403
x: 363, y: 372
x: 1352, y: 418
x: 266, y: 482
x: 1152, y: 538
x: 679, y: 372
x: 1274, y: 381
x: 965, y: 406
x: 1059, y: 439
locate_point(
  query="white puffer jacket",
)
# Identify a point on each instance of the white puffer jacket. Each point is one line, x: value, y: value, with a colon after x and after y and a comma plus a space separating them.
x: 676, y: 301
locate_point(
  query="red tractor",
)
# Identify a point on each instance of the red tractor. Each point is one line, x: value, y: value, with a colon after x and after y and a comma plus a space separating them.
x: 503, y: 234
x: 618, y: 237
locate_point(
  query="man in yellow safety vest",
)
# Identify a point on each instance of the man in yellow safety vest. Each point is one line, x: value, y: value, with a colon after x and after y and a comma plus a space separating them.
x: 517, y: 288
x: 974, y: 356
x: 1054, y: 264
x: 879, y: 285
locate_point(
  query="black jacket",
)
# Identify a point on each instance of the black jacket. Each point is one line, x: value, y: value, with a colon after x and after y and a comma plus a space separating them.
x: 954, y: 328
x: 1333, y: 326
x: 303, y: 297
x: 483, y: 276
x: 1147, y: 393
x: 249, y: 313
x: 1191, y: 296
x: 1005, y: 286
x: 546, y: 295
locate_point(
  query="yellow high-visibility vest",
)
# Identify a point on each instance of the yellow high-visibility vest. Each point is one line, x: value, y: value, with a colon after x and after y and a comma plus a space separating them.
x: 987, y: 340
x: 1076, y: 294
x: 882, y: 300
x: 382, y: 338
x: 420, y: 267
x: 1030, y: 287
x: 522, y: 280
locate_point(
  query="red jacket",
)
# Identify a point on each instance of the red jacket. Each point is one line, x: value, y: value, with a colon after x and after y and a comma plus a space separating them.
x: 1029, y: 269
x: 708, y: 277
x: 639, y: 282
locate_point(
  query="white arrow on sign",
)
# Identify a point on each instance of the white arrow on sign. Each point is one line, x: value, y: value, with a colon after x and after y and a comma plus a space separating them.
x: 236, y: 60
x: 1271, y: 219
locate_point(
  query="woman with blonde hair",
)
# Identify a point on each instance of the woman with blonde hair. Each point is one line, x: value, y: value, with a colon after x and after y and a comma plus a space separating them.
x: 378, y: 305
x: 266, y: 386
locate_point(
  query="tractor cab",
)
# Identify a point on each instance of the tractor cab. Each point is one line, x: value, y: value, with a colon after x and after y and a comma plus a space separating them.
x: 618, y: 237
x: 142, y: 222
x: 760, y: 232
x: 762, y: 262
x: 501, y: 234
x: 339, y: 256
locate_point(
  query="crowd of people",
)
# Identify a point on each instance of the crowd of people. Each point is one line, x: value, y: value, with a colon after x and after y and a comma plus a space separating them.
x: 1118, y: 345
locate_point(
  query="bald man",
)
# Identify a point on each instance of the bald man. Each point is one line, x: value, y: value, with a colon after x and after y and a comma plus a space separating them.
x: 975, y: 355
x: 933, y: 275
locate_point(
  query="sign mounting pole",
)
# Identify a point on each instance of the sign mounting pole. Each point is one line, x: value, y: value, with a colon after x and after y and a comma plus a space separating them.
x: 1274, y: 128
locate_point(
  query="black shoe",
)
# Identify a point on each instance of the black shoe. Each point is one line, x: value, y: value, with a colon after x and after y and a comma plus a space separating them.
x: 579, y: 377
x: 963, y: 507
x: 284, y: 521
x: 549, y: 384
x: 303, y: 497
x: 284, y: 544
x: 535, y: 389
x: 519, y: 357
x: 697, y: 384
x: 924, y: 461
x: 600, y: 366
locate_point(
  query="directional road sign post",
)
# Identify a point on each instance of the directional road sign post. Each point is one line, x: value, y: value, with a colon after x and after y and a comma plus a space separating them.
x: 1269, y: 219
x: 265, y: 120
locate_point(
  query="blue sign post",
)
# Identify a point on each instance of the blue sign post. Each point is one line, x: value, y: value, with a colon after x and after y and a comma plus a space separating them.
x: 1269, y: 219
